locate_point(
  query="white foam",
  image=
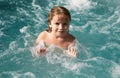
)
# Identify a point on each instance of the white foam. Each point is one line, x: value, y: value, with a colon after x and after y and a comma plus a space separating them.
x: 24, y: 75
x: 76, y: 67
x: 116, y: 72
x: 27, y: 34
x: 2, y: 23
x: 110, y: 45
x: 37, y: 47
x: 80, y: 4
x: 1, y: 33
x: 13, y: 45
x: 19, y: 74
x: 24, y: 29
x: 115, y: 18
x: 35, y: 5
x: 73, y: 4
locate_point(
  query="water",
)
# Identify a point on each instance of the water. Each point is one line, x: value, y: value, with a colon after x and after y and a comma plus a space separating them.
x: 95, y: 24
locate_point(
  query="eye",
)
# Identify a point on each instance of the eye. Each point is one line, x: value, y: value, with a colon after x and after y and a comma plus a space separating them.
x: 65, y: 23
x: 57, y: 23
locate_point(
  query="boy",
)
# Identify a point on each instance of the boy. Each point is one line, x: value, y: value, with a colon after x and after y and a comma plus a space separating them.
x: 57, y: 32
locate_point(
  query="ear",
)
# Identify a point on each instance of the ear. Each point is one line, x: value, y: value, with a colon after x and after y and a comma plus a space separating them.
x: 50, y: 25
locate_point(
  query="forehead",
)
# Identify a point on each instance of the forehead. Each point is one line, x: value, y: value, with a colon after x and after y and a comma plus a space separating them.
x: 61, y: 17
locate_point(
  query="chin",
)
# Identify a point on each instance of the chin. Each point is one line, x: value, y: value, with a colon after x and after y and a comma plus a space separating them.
x: 60, y: 35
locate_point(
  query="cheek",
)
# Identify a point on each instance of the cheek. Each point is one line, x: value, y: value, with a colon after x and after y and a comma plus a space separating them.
x: 54, y: 27
x: 67, y: 27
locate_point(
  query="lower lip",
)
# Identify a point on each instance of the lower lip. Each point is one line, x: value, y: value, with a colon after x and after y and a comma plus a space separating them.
x: 61, y: 31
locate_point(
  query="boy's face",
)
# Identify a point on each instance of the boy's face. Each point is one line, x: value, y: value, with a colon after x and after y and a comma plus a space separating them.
x: 60, y: 25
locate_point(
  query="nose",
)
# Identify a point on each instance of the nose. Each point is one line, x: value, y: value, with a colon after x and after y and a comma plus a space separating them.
x: 61, y: 26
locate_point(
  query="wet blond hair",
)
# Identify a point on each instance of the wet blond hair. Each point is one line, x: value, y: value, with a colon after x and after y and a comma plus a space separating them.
x: 55, y: 11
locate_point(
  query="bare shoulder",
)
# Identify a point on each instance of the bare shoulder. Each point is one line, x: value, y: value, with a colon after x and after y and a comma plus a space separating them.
x: 71, y: 38
x: 41, y: 37
x: 42, y: 34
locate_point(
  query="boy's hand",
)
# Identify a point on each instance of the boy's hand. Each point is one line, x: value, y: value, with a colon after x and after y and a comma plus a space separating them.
x: 72, y: 51
x: 40, y: 51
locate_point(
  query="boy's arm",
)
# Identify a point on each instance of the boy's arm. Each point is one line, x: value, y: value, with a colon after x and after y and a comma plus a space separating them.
x: 41, y: 37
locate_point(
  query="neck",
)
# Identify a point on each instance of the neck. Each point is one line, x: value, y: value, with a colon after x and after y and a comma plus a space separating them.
x: 57, y: 38
x: 60, y: 37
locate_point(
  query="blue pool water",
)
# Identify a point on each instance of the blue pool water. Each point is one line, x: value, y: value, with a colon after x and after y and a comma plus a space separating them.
x: 95, y: 24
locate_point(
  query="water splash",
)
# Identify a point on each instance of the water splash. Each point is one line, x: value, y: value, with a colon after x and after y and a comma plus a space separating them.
x: 17, y: 75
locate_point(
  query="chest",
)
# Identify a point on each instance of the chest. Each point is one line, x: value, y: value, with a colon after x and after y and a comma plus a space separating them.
x: 62, y: 44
